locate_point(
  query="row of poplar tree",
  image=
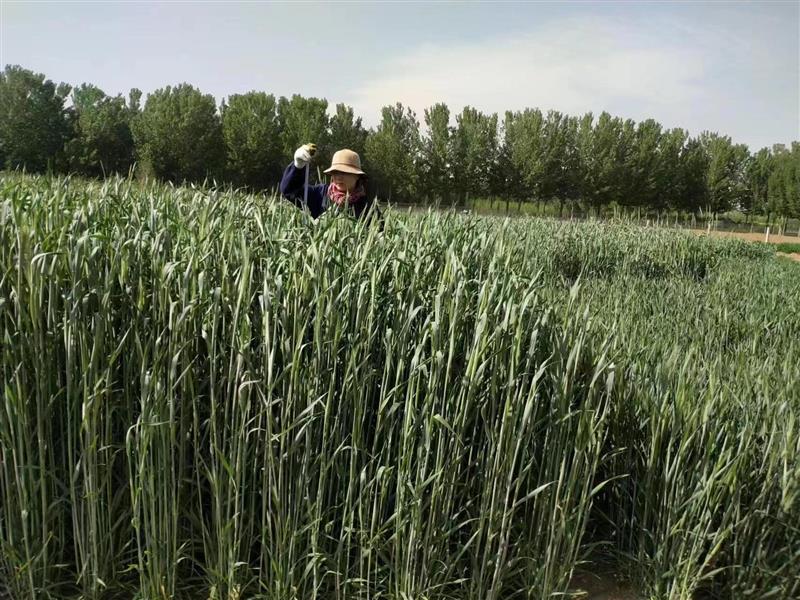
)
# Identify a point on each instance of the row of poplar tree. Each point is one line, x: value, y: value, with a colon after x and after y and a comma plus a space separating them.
x: 180, y: 134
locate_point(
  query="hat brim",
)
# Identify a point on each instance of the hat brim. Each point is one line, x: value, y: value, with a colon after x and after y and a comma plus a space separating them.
x: 344, y: 169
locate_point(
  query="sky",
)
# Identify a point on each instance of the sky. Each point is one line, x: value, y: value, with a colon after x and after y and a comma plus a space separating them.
x: 729, y: 67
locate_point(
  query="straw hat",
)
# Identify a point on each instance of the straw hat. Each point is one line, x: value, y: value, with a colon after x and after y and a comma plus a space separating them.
x: 346, y: 161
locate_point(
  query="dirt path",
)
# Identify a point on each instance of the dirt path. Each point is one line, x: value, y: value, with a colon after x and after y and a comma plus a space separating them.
x: 585, y: 586
x: 751, y: 237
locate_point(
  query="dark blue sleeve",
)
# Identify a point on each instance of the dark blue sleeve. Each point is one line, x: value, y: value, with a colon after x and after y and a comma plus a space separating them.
x: 292, y: 185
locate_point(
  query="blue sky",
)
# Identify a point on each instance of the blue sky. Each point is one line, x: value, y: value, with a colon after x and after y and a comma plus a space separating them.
x: 731, y: 67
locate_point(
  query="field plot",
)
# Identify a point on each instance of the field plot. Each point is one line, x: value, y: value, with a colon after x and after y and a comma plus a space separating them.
x: 751, y: 237
x: 780, y: 241
x: 207, y: 395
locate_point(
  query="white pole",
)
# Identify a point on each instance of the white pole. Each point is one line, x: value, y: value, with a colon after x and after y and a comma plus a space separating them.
x: 305, y: 190
x: 766, y: 237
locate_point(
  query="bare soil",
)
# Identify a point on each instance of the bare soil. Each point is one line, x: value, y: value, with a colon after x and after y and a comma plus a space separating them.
x: 751, y: 237
x: 591, y: 586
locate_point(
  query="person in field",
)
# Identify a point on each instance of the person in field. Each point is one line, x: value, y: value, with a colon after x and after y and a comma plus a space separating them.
x: 346, y: 190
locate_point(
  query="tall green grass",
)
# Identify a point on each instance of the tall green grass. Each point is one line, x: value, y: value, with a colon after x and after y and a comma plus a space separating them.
x: 208, y: 395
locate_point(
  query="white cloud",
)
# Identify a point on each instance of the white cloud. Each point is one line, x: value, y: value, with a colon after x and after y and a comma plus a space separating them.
x: 574, y: 66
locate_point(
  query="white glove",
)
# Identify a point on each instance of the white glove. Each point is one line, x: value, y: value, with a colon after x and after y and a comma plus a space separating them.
x: 302, y: 156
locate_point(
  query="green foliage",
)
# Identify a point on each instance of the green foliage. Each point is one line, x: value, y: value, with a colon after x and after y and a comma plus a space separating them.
x: 253, y: 144
x: 694, y: 192
x: 179, y: 135
x: 646, y: 180
x: 783, y: 184
x: 788, y: 248
x: 474, y: 149
x: 33, y: 123
x: 346, y: 131
x: 508, y: 177
x: 603, y: 151
x: 207, y: 396
x: 758, y: 171
x: 523, y: 140
x: 437, y: 164
x: 591, y: 164
x: 725, y: 175
x: 392, y: 152
x: 301, y: 121
x: 102, y: 142
x: 544, y: 151
x: 671, y: 181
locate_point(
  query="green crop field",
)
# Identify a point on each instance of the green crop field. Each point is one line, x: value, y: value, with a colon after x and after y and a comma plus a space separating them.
x: 206, y: 395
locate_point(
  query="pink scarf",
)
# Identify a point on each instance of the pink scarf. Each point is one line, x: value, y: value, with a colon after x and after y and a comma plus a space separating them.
x: 339, y: 196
